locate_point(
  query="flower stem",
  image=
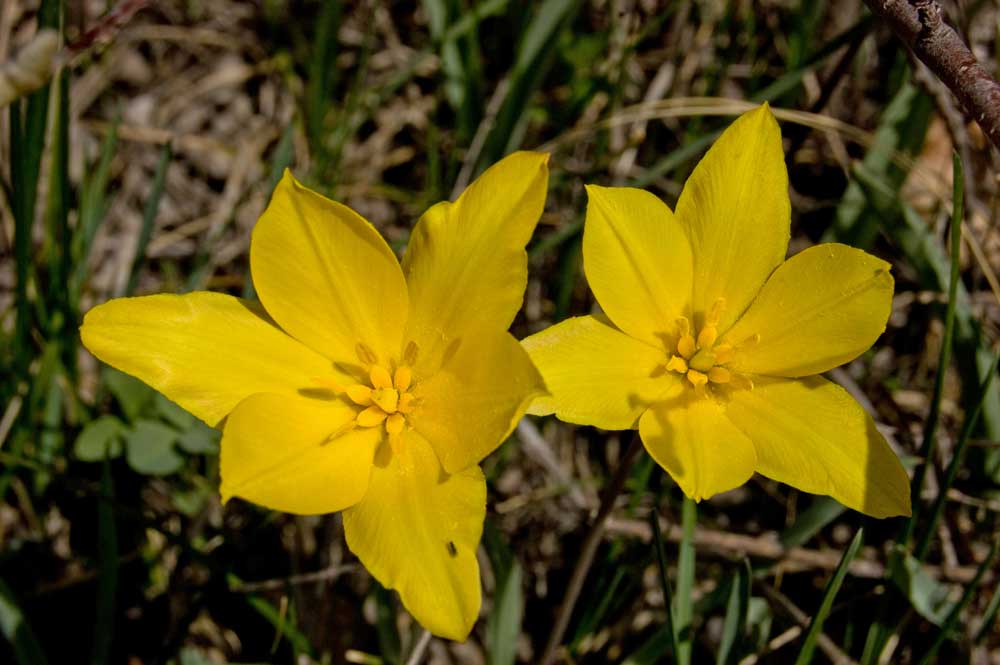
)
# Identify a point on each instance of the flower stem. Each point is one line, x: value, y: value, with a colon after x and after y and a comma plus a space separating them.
x: 589, y: 549
x: 685, y: 582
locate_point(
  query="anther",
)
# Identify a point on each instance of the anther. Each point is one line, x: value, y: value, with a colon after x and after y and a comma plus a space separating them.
x: 402, y: 378
x: 683, y: 326
x: 677, y: 364
x: 706, y: 338
x: 410, y: 353
x: 360, y: 395
x: 719, y: 375
x: 697, y: 378
x: 365, y: 354
x: 405, y: 404
x: 387, y: 399
x: 741, y: 382
x: 329, y: 384
x: 715, y: 314
x: 340, y: 431
x: 394, y: 424
x: 724, y: 353
x: 371, y: 417
x: 686, y: 346
x: 380, y: 377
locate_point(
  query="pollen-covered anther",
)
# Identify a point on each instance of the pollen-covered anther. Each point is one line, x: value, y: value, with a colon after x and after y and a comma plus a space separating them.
x: 677, y: 364
x: 371, y: 417
x: 719, y: 375
x: 697, y: 378
x: 387, y: 400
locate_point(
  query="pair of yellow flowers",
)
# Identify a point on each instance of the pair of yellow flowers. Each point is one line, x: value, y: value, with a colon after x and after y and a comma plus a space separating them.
x: 375, y: 388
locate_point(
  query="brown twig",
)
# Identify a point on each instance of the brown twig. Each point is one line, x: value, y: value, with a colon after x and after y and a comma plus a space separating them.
x: 589, y: 549
x: 920, y: 25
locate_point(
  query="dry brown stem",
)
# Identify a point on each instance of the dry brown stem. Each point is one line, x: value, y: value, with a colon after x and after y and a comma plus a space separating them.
x: 921, y: 26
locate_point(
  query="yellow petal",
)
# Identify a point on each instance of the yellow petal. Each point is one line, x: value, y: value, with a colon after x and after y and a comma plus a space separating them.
x: 597, y: 375
x: 465, y: 264
x: 820, y: 309
x: 693, y: 440
x: 637, y: 260
x: 417, y: 530
x: 277, y: 452
x: 205, y: 351
x: 467, y: 408
x: 326, y: 275
x: 811, y: 434
x: 736, y: 212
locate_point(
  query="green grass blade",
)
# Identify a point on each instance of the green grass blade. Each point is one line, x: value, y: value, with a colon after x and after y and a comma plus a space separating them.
x: 15, y: 628
x: 927, y: 447
x: 107, y: 580
x: 989, y: 618
x: 816, y: 625
x: 93, y: 206
x: 62, y: 320
x: 821, y: 512
x: 534, y: 58
x: 683, y: 602
x: 958, y: 457
x: 149, y: 218
x: 661, y: 562
x: 737, y: 608
x: 504, y: 623
x: 967, y: 595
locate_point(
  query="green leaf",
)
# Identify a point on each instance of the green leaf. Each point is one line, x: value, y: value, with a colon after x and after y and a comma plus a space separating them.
x: 99, y: 439
x: 811, y: 521
x: 504, y: 622
x: 172, y: 413
x: 131, y: 394
x: 200, y: 439
x: 816, y: 625
x: 735, y: 624
x: 149, y: 449
x: 929, y: 597
x: 17, y: 631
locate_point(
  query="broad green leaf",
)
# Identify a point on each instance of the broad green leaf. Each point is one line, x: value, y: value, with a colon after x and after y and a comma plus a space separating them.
x: 100, y: 438
x: 149, y: 449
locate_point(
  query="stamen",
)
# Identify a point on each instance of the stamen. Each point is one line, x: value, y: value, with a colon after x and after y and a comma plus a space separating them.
x: 741, y: 382
x: 394, y: 424
x: 683, y: 326
x: 696, y: 378
x: 380, y: 377
x: 724, y: 353
x: 714, y: 315
x: 686, y: 346
x: 365, y: 354
x: 410, y: 353
x: 677, y: 364
x: 402, y: 378
x: 328, y: 383
x: 750, y: 342
x: 405, y: 404
x: 386, y: 398
x: 371, y: 417
x: 360, y: 395
x: 340, y: 431
x: 719, y: 375
x: 707, y: 336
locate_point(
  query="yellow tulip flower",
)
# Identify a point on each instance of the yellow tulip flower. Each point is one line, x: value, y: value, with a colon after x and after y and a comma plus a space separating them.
x: 361, y: 385
x: 712, y: 341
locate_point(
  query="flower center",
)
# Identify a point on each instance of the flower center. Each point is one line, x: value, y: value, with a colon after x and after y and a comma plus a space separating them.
x: 386, y: 398
x: 700, y: 359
